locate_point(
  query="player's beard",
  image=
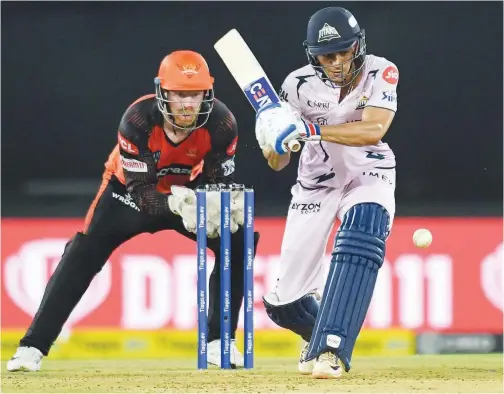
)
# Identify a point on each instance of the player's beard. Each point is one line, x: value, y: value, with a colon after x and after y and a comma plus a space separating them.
x: 185, y: 119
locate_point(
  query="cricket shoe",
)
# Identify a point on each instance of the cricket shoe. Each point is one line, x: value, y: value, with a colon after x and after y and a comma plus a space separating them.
x: 326, y: 367
x: 305, y: 367
x: 27, y: 358
x: 214, y: 354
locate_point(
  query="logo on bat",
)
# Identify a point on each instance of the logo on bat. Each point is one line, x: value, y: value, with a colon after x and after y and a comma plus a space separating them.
x: 260, y: 93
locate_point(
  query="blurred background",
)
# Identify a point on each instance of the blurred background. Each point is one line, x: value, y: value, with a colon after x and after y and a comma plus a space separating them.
x: 69, y: 71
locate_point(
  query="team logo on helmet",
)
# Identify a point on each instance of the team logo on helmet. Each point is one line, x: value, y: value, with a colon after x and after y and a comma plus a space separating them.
x: 327, y: 33
x: 189, y: 69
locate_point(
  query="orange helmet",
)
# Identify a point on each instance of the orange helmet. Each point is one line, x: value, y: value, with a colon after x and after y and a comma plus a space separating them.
x: 184, y: 70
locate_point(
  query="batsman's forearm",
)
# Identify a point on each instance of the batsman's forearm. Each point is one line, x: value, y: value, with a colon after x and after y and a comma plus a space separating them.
x: 278, y: 162
x: 353, y: 134
x: 275, y: 161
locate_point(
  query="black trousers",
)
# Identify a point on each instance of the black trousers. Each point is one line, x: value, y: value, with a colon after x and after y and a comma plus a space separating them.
x: 112, y: 220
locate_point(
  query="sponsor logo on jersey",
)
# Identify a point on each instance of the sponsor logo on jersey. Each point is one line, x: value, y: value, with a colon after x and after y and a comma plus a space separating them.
x: 389, y: 96
x: 126, y: 200
x: 133, y: 165
x: 317, y: 104
x: 306, y: 208
x: 379, y: 175
x: 391, y: 75
x: 126, y: 145
x: 283, y: 95
x: 174, y: 169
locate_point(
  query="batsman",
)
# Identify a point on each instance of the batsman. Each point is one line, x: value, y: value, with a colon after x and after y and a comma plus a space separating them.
x: 342, y: 104
x: 168, y: 143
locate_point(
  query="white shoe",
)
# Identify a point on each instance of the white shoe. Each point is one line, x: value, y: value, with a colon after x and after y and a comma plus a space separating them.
x: 305, y: 367
x: 214, y: 354
x: 27, y: 359
x: 326, y: 367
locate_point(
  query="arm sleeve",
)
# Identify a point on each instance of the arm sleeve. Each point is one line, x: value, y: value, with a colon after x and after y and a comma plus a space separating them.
x: 138, y: 164
x: 384, y: 92
x: 219, y: 164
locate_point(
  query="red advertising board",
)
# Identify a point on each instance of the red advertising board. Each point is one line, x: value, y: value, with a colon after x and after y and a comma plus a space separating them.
x: 150, y: 282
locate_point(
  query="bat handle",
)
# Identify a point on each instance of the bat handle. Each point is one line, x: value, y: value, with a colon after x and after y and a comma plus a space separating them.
x: 294, y: 145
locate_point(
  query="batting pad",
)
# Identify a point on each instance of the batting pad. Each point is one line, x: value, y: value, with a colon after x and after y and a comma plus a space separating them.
x: 298, y: 316
x: 358, y: 253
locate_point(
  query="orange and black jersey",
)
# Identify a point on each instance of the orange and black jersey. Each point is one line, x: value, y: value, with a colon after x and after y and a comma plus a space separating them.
x: 149, y: 163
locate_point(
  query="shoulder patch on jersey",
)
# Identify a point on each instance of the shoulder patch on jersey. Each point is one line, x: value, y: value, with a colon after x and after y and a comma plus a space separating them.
x: 391, y: 75
x: 127, y: 145
x: 302, y: 80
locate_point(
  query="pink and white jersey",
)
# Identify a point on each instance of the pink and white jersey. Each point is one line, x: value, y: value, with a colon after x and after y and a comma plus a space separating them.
x: 330, y: 164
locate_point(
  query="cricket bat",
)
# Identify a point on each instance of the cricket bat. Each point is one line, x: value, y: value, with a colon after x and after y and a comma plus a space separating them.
x: 248, y: 73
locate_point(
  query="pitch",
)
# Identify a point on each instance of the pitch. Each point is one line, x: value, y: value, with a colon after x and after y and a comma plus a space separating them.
x: 419, y: 374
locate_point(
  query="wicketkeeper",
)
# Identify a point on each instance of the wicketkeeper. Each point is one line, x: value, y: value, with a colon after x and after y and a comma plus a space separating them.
x: 168, y: 143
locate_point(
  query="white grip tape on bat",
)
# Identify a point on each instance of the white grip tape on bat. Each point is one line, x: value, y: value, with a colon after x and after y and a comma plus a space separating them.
x: 294, y: 145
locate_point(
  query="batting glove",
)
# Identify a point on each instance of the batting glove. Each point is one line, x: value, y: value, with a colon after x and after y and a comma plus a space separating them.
x: 298, y: 130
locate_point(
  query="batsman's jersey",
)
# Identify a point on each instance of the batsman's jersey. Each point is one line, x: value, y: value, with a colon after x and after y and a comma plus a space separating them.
x: 333, y: 164
x: 148, y: 163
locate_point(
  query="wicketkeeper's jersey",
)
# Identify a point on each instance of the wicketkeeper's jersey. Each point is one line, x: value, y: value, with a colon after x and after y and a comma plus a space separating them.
x: 149, y: 163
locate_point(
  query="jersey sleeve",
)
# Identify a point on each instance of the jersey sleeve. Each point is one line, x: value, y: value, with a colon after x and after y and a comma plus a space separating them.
x: 289, y: 93
x: 384, y: 92
x: 138, y: 163
x: 219, y: 164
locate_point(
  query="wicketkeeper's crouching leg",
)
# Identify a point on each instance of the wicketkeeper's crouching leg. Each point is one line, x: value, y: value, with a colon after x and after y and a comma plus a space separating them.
x: 82, y: 259
x: 109, y: 223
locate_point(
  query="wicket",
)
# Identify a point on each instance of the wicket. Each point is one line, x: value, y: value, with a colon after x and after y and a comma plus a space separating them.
x: 225, y: 275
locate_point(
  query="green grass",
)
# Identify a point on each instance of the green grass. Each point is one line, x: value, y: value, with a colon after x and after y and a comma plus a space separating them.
x: 419, y: 374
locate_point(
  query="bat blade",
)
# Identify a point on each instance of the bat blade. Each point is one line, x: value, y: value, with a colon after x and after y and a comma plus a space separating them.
x: 248, y: 73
